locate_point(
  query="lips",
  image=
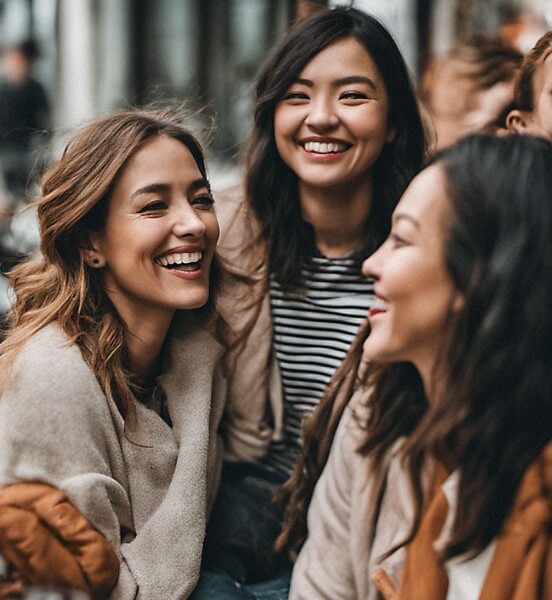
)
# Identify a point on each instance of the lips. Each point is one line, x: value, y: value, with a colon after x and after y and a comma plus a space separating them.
x: 181, y: 260
x: 379, y: 307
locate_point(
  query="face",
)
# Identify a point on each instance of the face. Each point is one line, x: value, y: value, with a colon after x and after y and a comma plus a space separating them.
x: 331, y: 124
x: 160, y: 233
x: 414, y: 291
x: 540, y: 120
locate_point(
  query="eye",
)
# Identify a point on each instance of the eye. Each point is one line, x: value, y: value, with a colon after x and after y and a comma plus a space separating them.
x: 154, y: 206
x: 397, y: 241
x: 296, y: 97
x: 353, y: 96
x: 204, y: 202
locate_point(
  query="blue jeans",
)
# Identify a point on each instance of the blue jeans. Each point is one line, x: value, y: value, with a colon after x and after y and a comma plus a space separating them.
x: 219, y: 586
x: 244, y: 524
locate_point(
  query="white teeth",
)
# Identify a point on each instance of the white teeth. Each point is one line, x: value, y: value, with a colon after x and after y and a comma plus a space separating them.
x: 380, y: 304
x: 179, y: 258
x: 324, y: 147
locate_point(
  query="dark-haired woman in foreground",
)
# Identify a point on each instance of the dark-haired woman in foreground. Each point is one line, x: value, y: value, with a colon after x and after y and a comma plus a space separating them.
x: 336, y: 138
x: 457, y: 400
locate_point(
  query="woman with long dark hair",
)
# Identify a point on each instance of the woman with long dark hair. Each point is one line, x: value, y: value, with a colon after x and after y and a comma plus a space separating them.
x: 445, y: 447
x: 337, y: 136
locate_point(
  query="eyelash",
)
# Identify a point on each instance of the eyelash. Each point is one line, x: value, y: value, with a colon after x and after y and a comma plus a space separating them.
x: 153, y: 206
x: 296, y: 96
x: 204, y: 201
x: 353, y: 96
x: 397, y: 240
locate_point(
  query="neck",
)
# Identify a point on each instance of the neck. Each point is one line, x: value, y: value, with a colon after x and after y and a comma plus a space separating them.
x: 434, y: 383
x: 337, y: 215
x: 144, y: 348
x: 146, y: 330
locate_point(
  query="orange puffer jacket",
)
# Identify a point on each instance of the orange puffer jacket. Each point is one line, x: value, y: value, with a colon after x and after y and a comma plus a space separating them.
x: 48, y: 542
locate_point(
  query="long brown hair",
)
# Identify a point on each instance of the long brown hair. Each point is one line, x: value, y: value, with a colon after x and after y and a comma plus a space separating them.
x: 57, y: 285
x: 396, y: 404
x: 524, y: 92
x: 494, y: 416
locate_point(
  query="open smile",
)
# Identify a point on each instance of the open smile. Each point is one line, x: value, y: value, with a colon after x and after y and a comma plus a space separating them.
x: 324, y: 146
x: 181, y: 261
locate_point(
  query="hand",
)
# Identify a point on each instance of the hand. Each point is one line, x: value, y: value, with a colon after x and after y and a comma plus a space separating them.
x: 385, y: 585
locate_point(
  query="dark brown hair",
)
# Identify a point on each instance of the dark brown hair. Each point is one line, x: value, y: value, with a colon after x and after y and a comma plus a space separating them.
x: 272, y: 186
x: 495, y: 416
x: 524, y: 92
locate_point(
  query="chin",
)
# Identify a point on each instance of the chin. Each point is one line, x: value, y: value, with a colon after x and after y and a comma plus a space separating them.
x: 194, y: 300
x: 373, y: 351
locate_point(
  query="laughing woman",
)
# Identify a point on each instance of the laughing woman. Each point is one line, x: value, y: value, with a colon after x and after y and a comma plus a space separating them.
x: 102, y: 406
x: 447, y: 447
x: 337, y: 135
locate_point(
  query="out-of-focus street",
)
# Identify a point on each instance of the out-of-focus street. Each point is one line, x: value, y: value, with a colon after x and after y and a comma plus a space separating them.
x: 93, y: 56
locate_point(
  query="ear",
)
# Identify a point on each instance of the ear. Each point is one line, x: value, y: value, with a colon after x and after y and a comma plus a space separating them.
x: 391, y: 134
x: 458, y: 303
x: 518, y: 121
x: 93, y: 256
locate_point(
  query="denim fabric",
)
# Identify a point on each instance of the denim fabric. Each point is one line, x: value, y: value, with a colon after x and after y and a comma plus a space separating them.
x: 244, y: 524
x: 219, y: 586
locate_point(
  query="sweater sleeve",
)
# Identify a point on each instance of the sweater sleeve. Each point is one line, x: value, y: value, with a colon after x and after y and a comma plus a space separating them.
x: 324, y: 567
x: 57, y: 427
x: 53, y: 420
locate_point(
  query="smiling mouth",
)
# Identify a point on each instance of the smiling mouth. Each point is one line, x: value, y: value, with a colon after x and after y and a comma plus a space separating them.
x: 325, y: 147
x: 181, y: 261
x: 379, y: 307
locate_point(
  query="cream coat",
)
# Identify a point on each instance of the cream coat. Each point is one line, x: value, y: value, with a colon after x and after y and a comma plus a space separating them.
x: 354, y: 517
x: 146, y: 488
x: 254, y: 414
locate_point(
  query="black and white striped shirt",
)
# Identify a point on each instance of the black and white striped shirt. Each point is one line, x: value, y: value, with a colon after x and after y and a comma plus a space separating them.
x: 312, y: 331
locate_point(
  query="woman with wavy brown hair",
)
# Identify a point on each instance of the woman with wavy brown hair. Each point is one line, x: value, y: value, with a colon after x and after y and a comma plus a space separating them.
x: 111, y: 391
x: 439, y: 480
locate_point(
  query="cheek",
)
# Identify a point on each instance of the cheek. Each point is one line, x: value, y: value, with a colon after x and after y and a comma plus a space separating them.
x: 285, y: 124
x: 371, y: 124
x: 212, y: 229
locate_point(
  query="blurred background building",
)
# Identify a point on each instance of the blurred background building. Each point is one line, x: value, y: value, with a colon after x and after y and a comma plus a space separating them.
x: 100, y: 55
x: 97, y: 55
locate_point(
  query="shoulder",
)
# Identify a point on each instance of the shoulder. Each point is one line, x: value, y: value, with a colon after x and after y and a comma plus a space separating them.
x: 49, y: 376
x: 49, y: 355
x: 238, y: 226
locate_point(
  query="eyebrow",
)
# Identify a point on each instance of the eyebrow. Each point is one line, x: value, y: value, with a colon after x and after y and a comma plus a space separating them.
x: 412, y: 220
x: 160, y: 188
x: 343, y: 81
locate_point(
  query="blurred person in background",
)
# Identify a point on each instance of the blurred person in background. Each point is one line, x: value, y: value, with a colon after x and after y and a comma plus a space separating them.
x: 532, y: 114
x: 337, y: 136
x: 471, y: 89
x: 24, y: 119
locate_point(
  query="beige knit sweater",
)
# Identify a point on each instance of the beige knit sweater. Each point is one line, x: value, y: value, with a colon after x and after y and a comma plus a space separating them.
x: 149, y: 498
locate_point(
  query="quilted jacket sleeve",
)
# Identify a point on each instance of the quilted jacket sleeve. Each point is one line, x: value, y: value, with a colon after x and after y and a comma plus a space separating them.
x: 47, y: 541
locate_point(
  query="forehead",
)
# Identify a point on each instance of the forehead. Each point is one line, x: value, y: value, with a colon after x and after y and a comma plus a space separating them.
x: 160, y: 159
x: 426, y: 200
x: 546, y: 63
x: 340, y: 59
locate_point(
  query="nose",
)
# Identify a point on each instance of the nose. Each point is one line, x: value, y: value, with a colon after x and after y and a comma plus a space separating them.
x: 322, y: 115
x: 371, y: 267
x: 187, y: 223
